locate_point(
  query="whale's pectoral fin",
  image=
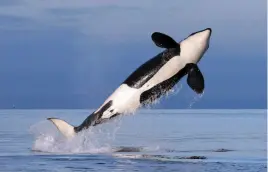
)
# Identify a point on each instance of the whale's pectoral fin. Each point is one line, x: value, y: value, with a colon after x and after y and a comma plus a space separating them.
x: 164, y: 41
x: 195, y: 78
x: 66, y: 129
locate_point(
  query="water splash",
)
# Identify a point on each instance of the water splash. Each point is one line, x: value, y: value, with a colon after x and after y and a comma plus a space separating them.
x: 175, y: 91
x: 196, y: 98
x: 93, y: 140
x: 98, y: 139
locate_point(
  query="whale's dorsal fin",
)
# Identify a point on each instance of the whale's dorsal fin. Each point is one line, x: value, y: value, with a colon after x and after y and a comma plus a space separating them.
x: 164, y: 41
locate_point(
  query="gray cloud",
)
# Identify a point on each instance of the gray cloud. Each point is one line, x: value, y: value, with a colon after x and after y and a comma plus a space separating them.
x: 119, y: 18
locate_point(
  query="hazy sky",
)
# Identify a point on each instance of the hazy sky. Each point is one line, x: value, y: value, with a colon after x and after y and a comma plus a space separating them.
x: 73, y: 54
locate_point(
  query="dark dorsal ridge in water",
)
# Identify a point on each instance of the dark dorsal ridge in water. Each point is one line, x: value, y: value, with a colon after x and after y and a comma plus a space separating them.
x: 128, y: 149
x: 172, y: 157
x: 222, y: 150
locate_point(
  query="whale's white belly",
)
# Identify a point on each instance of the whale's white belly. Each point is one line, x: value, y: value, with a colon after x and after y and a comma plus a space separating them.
x: 125, y: 100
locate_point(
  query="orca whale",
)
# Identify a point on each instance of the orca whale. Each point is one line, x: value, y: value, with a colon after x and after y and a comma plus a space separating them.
x: 151, y: 80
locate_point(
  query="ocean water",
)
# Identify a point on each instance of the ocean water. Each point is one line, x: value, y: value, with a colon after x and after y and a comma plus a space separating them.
x: 150, y: 140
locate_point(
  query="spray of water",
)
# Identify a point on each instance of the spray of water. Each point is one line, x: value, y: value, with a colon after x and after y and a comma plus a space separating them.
x: 93, y: 140
x: 174, y: 91
x: 195, y: 99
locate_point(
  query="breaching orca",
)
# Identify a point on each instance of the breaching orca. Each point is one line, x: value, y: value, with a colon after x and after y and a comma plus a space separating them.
x: 151, y: 80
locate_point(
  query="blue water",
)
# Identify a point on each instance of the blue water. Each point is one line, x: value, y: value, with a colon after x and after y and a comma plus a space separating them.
x: 150, y: 140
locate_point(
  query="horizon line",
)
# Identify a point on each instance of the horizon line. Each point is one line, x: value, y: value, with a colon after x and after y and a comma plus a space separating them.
x: 137, y: 109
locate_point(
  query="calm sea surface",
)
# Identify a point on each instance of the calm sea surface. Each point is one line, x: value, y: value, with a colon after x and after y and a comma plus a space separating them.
x: 150, y: 140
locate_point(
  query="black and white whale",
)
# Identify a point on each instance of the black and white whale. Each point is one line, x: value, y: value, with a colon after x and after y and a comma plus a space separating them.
x: 151, y: 80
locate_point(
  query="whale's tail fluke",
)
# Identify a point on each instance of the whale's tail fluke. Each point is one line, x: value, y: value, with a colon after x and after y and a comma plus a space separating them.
x: 94, y: 119
x: 66, y: 129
